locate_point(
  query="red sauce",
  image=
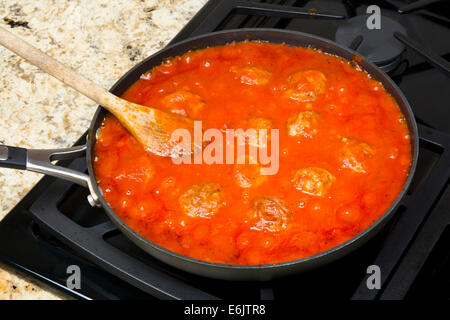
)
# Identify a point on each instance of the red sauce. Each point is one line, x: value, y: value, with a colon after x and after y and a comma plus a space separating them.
x: 345, y: 153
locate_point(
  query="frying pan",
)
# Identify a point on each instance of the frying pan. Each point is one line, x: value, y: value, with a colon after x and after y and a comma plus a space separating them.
x: 40, y: 160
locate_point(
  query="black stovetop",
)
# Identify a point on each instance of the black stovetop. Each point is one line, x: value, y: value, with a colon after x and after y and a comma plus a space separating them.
x: 54, y: 227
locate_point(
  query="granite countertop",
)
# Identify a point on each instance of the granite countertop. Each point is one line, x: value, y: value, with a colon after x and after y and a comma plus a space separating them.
x: 101, y: 40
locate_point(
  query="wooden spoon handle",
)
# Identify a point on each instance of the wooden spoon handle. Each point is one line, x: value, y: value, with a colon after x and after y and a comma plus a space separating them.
x: 56, y: 69
x: 151, y: 127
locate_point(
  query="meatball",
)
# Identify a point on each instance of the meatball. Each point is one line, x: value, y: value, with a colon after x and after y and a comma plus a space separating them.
x: 356, y: 154
x: 251, y: 75
x: 259, y: 123
x: 305, y: 85
x: 269, y: 213
x: 303, y: 124
x: 313, y: 180
x: 248, y: 175
x: 184, y: 102
x: 257, y: 138
x: 133, y: 172
x: 202, y: 200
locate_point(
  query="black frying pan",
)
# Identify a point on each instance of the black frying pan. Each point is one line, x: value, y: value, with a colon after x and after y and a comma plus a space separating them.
x: 39, y: 160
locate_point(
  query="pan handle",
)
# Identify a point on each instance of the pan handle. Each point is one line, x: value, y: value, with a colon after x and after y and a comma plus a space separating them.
x: 40, y: 160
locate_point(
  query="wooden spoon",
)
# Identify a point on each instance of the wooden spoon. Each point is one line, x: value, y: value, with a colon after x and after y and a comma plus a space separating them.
x: 150, y: 126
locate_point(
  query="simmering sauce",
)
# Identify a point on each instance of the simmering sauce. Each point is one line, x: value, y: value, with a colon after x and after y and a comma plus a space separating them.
x: 344, y: 155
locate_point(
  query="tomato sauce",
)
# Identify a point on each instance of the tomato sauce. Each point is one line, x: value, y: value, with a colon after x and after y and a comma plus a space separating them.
x: 344, y: 155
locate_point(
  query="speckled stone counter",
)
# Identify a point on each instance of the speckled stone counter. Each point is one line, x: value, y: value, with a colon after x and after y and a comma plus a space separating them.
x: 101, y: 40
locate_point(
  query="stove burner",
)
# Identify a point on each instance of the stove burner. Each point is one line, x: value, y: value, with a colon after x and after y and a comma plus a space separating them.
x: 377, y: 45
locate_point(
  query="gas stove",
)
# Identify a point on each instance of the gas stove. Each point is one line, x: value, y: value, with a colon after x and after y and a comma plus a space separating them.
x: 54, y: 226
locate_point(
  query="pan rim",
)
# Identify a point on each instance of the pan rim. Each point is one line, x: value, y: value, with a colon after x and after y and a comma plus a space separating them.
x: 366, y: 233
